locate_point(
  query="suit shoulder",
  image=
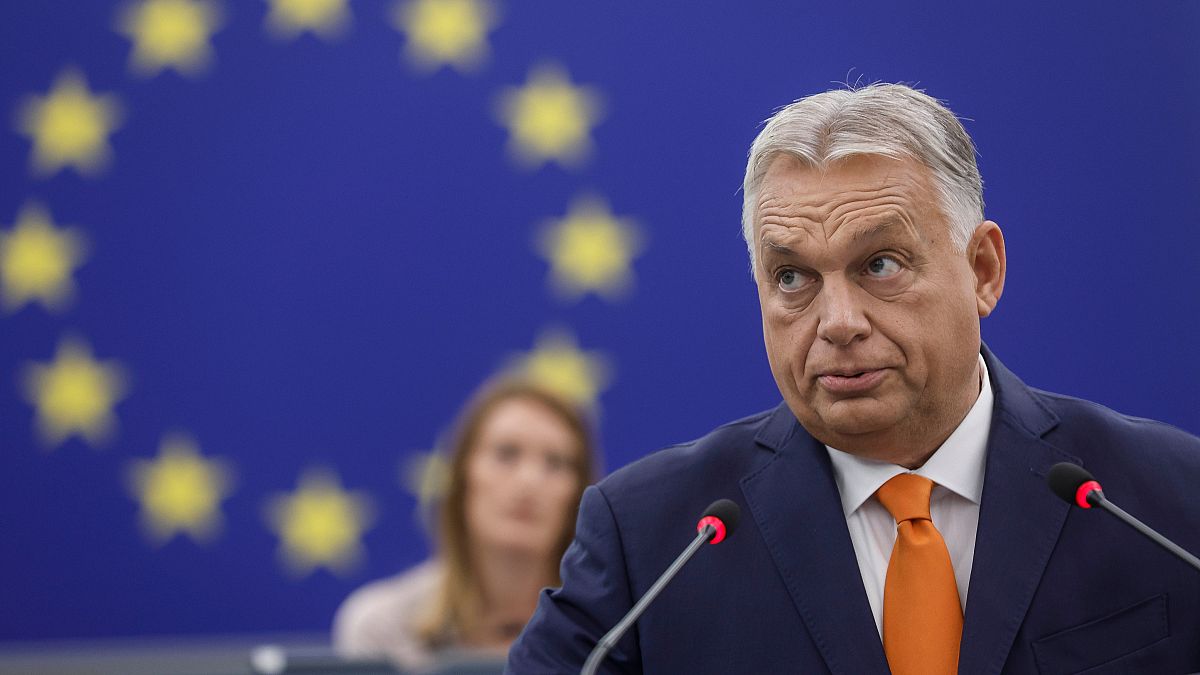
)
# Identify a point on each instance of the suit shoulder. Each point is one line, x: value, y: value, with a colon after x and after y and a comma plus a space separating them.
x: 1091, y: 417
x: 691, y: 471
x: 713, y: 446
x: 1134, y: 457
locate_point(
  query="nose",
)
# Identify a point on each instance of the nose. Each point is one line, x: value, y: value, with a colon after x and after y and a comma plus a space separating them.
x: 842, y: 317
x: 528, y: 473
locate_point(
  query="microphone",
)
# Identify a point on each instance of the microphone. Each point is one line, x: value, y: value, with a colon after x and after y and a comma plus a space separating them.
x: 717, y: 523
x: 1074, y: 485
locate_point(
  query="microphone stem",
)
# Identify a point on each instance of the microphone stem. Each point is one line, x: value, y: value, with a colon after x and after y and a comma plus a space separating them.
x: 1102, y: 502
x: 611, y: 637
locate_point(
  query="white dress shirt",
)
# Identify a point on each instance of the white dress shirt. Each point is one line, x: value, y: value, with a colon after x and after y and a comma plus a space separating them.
x: 956, y: 468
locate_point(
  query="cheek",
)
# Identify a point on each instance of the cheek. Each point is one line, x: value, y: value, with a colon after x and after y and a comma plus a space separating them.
x: 560, y: 490
x: 775, y: 326
x: 476, y: 507
x: 559, y: 495
x: 927, y: 352
x: 788, y: 337
x: 902, y: 325
x: 483, y: 484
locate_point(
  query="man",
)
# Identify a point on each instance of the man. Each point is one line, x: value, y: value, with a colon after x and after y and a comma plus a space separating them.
x: 895, y: 512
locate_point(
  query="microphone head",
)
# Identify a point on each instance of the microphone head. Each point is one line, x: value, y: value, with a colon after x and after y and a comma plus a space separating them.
x: 1067, y: 480
x: 723, y: 515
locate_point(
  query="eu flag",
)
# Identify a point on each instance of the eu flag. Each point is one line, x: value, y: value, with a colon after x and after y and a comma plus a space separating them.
x: 254, y: 254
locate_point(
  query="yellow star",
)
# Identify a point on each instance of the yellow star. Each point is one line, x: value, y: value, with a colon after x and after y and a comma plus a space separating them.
x: 75, y: 395
x: 590, y: 250
x: 69, y: 126
x: 557, y: 363
x: 445, y: 32
x: 180, y: 492
x: 326, y: 18
x: 320, y: 525
x: 549, y: 119
x: 425, y: 475
x: 36, y: 261
x: 169, y: 34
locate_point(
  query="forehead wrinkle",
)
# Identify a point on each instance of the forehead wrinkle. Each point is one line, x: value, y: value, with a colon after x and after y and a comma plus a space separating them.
x: 891, y: 223
x: 795, y: 206
x: 784, y: 240
x: 785, y: 208
x: 779, y: 225
x: 879, y: 215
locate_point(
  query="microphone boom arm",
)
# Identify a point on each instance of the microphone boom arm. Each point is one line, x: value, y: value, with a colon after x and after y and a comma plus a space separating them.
x: 1097, y: 498
x: 610, y: 638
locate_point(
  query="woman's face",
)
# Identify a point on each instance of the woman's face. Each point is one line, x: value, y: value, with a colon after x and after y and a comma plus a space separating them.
x: 521, y: 478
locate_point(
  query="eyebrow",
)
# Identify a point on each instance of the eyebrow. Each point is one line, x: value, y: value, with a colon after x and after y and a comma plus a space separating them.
x: 876, y: 229
x: 776, y: 247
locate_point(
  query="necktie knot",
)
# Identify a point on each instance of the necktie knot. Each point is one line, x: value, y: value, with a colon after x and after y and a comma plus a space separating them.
x: 906, y: 497
x: 922, y: 616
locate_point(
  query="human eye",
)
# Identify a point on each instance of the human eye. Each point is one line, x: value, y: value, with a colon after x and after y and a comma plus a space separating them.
x: 557, y: 463
x: 791, y: 280
x: 883, y: 267
x: 507, y: 452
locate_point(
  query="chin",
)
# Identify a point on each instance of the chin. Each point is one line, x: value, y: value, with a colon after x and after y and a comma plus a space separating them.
x: 522, y: 542
x: 851, y: 418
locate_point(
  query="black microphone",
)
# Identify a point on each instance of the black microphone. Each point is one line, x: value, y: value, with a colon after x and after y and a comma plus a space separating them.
x: 717, y: 523
x: 1074, y: 485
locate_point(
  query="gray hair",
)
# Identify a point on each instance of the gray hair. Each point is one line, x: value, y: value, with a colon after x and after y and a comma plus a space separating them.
x: 891, y: 120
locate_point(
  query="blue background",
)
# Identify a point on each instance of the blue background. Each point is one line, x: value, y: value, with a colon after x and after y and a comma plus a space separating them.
x: 310, y: 254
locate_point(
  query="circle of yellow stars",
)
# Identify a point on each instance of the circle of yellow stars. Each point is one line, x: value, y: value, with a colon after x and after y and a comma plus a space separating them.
x: 549, y: 119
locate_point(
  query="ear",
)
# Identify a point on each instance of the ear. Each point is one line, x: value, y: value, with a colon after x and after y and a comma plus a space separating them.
x: 985, y: 255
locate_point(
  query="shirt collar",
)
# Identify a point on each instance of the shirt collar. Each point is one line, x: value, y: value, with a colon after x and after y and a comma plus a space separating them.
x: 957, y: 465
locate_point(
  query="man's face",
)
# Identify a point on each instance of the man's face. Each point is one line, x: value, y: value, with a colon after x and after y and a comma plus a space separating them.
x: 870, y: 315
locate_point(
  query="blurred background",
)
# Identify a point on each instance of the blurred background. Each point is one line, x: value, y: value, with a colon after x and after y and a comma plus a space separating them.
x: 254, y: 255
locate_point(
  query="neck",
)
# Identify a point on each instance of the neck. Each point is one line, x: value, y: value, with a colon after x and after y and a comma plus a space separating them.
x: 509, y: 582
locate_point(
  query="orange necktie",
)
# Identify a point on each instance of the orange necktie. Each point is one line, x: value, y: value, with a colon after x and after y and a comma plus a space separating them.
x: 922, y: 617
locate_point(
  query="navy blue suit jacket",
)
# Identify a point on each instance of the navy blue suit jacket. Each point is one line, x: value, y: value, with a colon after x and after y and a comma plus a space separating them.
x: 1054, y: 589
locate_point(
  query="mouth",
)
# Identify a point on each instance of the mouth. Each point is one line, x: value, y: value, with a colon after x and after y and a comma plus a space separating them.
x: 851, y: 381
x: 523, y: 515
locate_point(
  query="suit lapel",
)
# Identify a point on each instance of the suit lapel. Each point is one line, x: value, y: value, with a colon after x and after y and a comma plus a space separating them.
x: 794, y: 501
x: 1019, y: 523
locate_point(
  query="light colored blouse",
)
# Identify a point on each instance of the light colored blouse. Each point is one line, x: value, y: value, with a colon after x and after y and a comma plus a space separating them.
x: 380, y: 619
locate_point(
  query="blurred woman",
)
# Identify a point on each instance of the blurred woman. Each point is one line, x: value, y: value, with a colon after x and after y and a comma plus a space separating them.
x: 520, y: 458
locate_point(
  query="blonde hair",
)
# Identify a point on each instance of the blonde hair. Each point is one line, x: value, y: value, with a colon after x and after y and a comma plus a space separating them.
x: 458, y: 600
